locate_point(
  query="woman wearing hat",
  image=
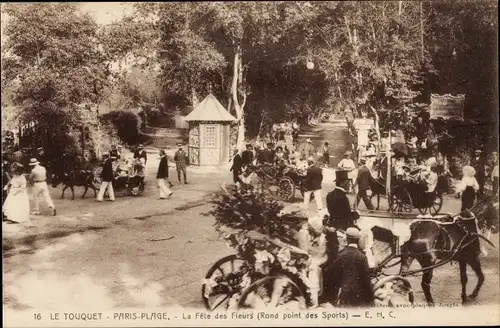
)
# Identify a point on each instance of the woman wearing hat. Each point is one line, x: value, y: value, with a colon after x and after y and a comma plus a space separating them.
x: 17, y: 204
x: 468, y: 187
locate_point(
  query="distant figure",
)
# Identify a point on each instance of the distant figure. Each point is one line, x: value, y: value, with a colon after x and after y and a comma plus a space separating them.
x: 364, y: 182
x: 39, y: 177
x: 180, y: 159
x: 140, y: 153
x: 236, y: 168
x: 468, y: 187
x: 347, y: 164
x: 479, y: 164
x: 162, y: 176
x: 17, y: 205
x: 6, y: 176
x: 247, y: 155
x: 312, y: 185
x: 107, y: 177
x: 114, y: 152
x: 326, y: 154
x: 494, y: 174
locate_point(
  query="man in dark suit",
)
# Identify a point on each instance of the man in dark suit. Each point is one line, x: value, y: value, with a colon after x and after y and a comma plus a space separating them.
x: 236, y: 167
x: 341, y: 216
x: 312, y: 185
x: 266, y: 155
x: 349, y: 275
x: 247, y: 155
x: 364, y: 182
x: 180, y: 159
x: 162, y: 176
x: 107, y: 177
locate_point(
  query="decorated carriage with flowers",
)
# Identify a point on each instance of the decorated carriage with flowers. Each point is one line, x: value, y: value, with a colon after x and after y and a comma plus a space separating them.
x: 271, y: 267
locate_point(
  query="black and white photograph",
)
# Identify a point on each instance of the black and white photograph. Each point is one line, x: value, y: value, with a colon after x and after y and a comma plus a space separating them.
x: 250, y: 163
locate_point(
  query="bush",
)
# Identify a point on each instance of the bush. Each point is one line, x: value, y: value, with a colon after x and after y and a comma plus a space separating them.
x: 126, y: 125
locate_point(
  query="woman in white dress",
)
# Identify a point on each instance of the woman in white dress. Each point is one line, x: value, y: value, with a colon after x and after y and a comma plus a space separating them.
x: 17, y: 204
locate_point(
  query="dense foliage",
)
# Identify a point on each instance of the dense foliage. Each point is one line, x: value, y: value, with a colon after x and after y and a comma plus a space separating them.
x: 386, y: 56
x: 126, y: 125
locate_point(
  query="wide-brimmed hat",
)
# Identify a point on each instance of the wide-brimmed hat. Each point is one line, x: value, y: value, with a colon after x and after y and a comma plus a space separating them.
x: 310, y: 159
x: 478, y: 151
x: 308, y: 140
x: 348, y: 153
x: 140, y: 146
x: 17, y: 166
x: 105, y: 153
x: 33, y: 161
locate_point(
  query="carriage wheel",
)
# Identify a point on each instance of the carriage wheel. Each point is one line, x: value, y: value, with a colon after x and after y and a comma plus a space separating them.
x: 286, y: 189
x: 273, y: 292
x: 225, y: 273
x: 436, y: 204
x: 400, y: 200
x: 403, y: 292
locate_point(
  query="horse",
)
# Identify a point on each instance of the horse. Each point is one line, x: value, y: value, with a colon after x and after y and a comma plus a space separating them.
x: 433, y: 243
x: 78, y: 178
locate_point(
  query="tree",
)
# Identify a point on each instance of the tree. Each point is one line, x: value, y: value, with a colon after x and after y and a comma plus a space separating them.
x: 53, y: 53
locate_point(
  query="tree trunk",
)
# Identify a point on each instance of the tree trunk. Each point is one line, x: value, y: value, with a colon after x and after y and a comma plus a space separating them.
x: 194, y: 98
x: 239, y: 108
x: 377, y: 126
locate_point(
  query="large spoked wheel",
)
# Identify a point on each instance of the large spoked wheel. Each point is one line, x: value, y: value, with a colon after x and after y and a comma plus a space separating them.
x: 437, y: 204
x: 222, y: 281
x: 286, y: 189
x: 393, y: 291
x: 278, y: 291
x: 400, y: 200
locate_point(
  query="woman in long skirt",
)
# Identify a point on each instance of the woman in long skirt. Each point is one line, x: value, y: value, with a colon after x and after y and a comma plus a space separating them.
x: 17, y: 204
x: 468, y: 187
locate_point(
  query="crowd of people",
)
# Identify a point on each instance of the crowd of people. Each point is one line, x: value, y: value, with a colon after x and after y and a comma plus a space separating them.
x: 20, y: 184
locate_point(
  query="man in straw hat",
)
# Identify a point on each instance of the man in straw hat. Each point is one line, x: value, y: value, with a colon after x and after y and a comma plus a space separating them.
x: 180, y: 159
x: 312, y: 185
x: 348, y: 276
x: 38, y: 176
x: 347, y: 164
x: 107, y: 177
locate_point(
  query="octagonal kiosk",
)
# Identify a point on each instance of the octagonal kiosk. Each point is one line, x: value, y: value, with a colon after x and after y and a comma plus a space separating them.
x: 209, y: 133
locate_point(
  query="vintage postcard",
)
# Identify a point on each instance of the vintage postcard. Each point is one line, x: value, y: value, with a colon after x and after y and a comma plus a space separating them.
x: 267, y: 163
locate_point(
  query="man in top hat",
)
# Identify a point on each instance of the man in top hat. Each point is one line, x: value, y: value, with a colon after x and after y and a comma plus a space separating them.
x: 312, y: 185
x: 479, y: 164
x: 162, y: 176
x: 364, y: 182
x: 180, y: 159
x: 107, y: 176
x: 341, y: 216
x: 38, y: 176
x: 349, y: 275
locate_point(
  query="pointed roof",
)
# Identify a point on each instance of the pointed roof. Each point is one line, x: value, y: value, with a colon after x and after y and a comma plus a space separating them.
x: 210, y: 109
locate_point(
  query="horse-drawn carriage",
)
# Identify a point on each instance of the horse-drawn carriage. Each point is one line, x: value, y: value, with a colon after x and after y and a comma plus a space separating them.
x: 270, y: 270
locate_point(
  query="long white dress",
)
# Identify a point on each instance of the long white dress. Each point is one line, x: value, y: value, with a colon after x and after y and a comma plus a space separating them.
x: 17, y: 205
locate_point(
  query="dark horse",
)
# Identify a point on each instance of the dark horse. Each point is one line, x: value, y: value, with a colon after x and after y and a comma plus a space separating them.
x: 78, y: 178
x: 433, y: 243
